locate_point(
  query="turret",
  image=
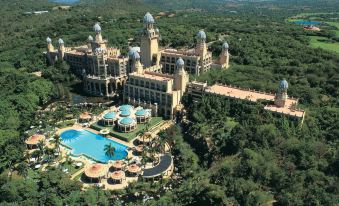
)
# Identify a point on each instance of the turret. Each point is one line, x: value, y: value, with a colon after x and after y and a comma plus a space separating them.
x: 180, y: 64
x: 281, y: 96
x: 89, y: 42
x: 148, y: 21
x: 97, y: 30
x: 201, y: 47
x: 50, y: 46
x: 224, y: 56
x: 180, y: 76
x: 137, y: 66
x: 61, y: 49
x: 149, y: 42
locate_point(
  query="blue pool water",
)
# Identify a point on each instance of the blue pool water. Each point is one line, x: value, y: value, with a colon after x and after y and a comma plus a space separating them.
x: 92, y: 145
x: 306, y: 23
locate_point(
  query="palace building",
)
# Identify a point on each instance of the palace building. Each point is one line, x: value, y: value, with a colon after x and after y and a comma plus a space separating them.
x: 150, y: 76
x: 159, y: 92
x: 156, y: 78
x: 103, y: 69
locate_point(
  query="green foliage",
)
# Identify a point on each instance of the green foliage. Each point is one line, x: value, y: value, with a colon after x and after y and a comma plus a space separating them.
x: 230, y: 152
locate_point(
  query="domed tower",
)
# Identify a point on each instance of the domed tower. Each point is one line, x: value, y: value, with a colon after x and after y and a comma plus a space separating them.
x: 224, y: 57
x: 89, y: 42
x: 99, y: 41
x: 61, y: 49
x: 50, y: 46
x: 149, y: 42
x: 201, y: 47
x: 97, y: 30
x: 137, y: 66
x: 180, y: 76
x: 281, y: 96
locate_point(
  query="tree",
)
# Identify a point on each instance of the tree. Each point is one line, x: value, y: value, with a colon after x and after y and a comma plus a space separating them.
x: 57, y: 141
x: 109, y: 150
x: 22, y: 169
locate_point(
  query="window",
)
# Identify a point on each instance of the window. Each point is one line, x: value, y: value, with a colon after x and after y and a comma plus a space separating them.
x: 152, y: 97
x: 136, y: 92
x: 147, y: 84
x: 172, y: 68
x: 172, y: 60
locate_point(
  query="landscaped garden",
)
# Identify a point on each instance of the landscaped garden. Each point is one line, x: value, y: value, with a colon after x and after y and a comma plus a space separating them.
x: 131, y: 135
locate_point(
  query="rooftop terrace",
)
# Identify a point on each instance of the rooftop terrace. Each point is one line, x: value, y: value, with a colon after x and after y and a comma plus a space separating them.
x: 254, y: 96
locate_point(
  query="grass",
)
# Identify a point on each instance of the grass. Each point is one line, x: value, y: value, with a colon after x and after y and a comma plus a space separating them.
x: 71, y: 167
x: 335, y: 24
x: 320, y: 42
x: 128, y: 136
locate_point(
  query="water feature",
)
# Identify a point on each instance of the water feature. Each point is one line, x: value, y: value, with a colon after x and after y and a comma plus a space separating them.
x: 306, y: 23
x: 87, y: 143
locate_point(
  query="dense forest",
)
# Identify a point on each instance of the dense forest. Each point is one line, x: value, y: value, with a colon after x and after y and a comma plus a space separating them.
x: 226, y: 152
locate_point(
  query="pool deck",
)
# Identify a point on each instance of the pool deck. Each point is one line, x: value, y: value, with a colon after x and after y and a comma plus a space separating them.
x: 78, y: 127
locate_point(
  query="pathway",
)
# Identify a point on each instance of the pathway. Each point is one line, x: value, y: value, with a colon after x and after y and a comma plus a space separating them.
x: 77, y: 173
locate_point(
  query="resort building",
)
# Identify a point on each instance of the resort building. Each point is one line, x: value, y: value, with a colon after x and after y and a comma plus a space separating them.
x: 159, y: 92
x: 197, y: 60
x: 102, y: 68
x: 280, y: 103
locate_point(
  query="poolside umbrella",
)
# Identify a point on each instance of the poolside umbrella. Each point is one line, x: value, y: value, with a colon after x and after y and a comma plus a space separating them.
x: 118, y: 164
x: 85, y: 116
x: 118, y: 175
x: 95, y: 170
x: 134, y: 168
x: 35, y: 139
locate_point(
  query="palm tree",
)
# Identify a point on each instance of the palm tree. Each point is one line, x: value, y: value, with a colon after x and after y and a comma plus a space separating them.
x: 57, y: 141
x: 41, y: 146
x: 37, y: 154
x: 22, y: 169
x: 109, y: 150
x: 161, y: 144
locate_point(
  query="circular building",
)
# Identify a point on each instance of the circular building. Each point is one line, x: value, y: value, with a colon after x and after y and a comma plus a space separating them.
x: 109, y: 118
x: 95, y: 171
x: 127, y: 124
x: 34, y: 140
x: 142, y: 115
x: 85, y: 117
x: 125, y: 113
x: 125, y: 107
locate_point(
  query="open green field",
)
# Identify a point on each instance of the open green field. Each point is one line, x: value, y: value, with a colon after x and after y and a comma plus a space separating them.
x: 317, y: 42
x: 129, y: 136
x: 336, y: 24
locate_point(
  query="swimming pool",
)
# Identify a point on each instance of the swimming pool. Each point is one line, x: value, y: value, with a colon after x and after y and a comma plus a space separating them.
x: 87, y: 143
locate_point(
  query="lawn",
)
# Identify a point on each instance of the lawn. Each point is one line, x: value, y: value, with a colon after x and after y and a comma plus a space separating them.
x: 335, y: 24
x: 128, y: 136
x: 320, y: 42
x: 71, y: 167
